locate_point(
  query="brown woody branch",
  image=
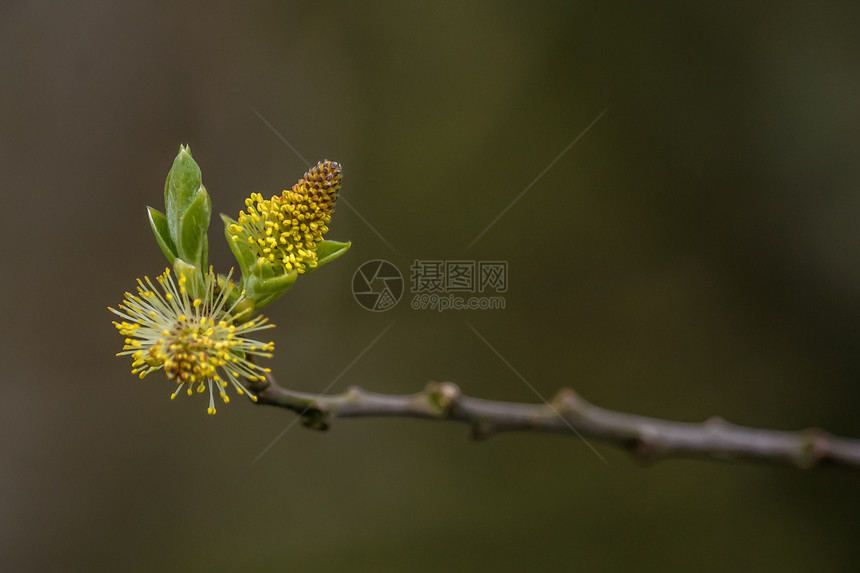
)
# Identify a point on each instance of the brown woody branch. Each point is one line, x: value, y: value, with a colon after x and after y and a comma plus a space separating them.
x: 646, y: 438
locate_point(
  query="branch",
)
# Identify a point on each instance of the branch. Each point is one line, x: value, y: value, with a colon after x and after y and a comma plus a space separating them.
x: 647, y: 439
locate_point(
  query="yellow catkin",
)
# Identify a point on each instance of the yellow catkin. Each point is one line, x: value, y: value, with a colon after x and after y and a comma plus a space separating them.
x: 285, y: 229
x: 191, y: 340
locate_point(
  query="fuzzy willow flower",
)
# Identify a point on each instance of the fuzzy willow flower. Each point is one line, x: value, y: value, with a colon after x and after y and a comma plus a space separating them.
x: 286, y: 228
x: 197, y: 342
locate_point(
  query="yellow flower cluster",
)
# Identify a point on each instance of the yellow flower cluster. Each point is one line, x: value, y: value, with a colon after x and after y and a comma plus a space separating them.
x: 196, y: 342
x: 286, y: 228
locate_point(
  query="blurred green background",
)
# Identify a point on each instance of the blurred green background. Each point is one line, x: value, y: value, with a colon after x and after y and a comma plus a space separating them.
x: 697, y: 252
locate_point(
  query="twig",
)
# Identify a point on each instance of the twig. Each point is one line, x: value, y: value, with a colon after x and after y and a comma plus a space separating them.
x: 647, y: 439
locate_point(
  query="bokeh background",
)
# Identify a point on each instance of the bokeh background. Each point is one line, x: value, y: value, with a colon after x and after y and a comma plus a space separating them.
x: 697, y: 252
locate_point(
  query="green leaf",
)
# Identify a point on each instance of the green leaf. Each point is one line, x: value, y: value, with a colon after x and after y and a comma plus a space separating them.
x: 158, y: 222
x: 327, y: 251
x: 267, y: 290
x: 180, y: 190
x: 204, y: 256
x: 231, y: 285
x: 194, y: 279
x: 193, y: 227
x: 241, y: 250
